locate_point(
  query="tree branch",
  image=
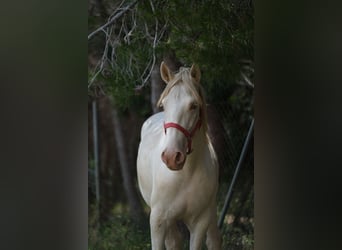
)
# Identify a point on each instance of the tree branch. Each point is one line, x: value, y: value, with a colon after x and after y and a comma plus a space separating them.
x: 153, y: 48
x: 112, y: 20
x: 245, y: 78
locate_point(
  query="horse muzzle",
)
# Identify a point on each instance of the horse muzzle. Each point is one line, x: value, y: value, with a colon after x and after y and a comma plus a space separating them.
x: 174, y: 160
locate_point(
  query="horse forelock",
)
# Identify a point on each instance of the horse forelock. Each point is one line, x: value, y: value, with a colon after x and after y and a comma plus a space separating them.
x: 183, y: 77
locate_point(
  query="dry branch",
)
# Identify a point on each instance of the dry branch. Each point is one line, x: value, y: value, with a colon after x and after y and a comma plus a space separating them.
x: 112, y: 20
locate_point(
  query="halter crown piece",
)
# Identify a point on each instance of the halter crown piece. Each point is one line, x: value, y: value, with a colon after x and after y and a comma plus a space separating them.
x: 188, y: 134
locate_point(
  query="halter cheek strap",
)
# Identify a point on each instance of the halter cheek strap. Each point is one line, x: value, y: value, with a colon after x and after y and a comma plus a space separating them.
x: 188, y: 134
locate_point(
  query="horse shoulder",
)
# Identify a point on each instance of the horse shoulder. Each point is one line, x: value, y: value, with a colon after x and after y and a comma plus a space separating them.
x: 150, y: 132
x: 152, y: 126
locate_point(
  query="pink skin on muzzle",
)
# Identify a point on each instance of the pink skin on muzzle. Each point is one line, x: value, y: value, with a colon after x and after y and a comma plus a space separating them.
x: 173, y: 159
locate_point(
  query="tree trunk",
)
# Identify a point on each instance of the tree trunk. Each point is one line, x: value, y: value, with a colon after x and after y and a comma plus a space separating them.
x: 135, y: 207
x: 216, y: 134
x: 107, y: 158
x: 171, y: 61
x: 157, y: 86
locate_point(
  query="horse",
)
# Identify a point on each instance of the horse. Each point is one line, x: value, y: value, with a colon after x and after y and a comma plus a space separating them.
x: 177, y: 167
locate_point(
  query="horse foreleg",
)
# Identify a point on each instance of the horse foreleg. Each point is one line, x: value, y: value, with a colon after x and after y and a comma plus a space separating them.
x: 174, y: 238
x: 214, y: 240
x: 197, y: 235
x: 158, y: 229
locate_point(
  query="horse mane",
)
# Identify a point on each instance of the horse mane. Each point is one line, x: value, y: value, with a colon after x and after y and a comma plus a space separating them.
x: 183, y: 77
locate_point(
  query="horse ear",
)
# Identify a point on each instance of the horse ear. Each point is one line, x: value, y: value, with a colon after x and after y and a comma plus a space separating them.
x: 165, y: 73
x: 195, y: 73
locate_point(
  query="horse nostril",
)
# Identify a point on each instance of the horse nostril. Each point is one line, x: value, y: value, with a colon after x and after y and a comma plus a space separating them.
x: 179, y: 158
x: 163, y: 156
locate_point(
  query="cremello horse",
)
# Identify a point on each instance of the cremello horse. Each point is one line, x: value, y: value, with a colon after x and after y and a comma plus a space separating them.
x: 177, y: 166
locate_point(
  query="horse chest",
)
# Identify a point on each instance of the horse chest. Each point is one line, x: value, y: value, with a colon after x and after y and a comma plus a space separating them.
x: 184, y: 195
x: 200, y: 190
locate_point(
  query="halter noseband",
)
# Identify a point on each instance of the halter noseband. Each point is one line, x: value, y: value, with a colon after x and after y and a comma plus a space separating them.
x: 188, y: 134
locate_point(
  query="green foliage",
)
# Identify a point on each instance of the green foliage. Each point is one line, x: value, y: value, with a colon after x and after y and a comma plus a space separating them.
x: 117, y: 233
x: 214, y: 34
x: 237, y: 239
x: 121, y: 233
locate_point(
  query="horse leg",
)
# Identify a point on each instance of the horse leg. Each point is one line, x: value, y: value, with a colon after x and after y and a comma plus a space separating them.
x: 214, y: 240
x: 158, y: 229
x: 173, y: 239
x: 197, y: 235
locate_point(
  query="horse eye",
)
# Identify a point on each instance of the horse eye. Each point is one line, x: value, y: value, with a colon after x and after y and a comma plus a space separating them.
x: 193, y: 106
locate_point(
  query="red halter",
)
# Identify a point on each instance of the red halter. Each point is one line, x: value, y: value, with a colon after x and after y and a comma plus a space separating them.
x: 188, y: 134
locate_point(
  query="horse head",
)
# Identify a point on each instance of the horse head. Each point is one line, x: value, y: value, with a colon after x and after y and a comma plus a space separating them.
x: 183, y: 103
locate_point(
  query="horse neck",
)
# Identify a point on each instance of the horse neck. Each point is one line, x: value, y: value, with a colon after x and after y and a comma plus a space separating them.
x: 199, y: 144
